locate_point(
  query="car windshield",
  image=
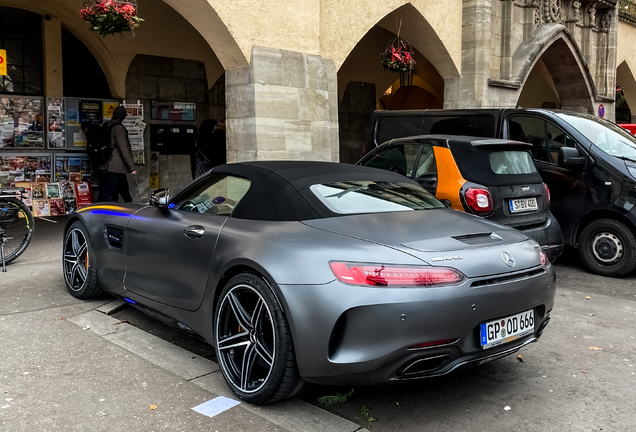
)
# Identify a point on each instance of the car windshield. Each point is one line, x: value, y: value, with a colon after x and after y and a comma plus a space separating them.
x: 352, y: 197
x: 612, y: 139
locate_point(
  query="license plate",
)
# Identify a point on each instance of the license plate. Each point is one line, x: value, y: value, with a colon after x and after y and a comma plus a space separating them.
x: 523, y: 205
x: 507, y: 329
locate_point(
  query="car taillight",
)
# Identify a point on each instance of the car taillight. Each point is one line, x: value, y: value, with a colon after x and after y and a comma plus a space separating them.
x: 547, y: 193
x: 544, y: 259
x: 479, y: 200
x: 390, y: 276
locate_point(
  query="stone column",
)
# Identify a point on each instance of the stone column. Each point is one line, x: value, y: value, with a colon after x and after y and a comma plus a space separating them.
x: 283, y: 106
x: 52, y: 37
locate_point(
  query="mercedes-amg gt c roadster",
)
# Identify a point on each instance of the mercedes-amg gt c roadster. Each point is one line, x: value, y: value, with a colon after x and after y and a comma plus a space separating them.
x: 316, y: 272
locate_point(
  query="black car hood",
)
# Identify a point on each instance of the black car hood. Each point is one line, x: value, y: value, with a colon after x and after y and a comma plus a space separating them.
x: 440, y: 237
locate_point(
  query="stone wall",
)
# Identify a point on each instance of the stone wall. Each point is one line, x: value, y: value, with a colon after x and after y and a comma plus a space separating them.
x: 283, y: 106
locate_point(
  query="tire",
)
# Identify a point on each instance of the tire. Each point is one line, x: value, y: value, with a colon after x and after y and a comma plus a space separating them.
x: 78, y: 263
x: 253, y: 342
x: 607, y: 247
x: 17, y: 231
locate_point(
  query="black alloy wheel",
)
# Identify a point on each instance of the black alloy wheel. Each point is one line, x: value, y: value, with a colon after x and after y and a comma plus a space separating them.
x: 80, y: 271
x: 253, y: 342
x: 607, y: 247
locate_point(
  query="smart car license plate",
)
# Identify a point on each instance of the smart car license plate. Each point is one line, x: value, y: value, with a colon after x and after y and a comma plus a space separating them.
x: 506, y: 329
x: 523, y: 205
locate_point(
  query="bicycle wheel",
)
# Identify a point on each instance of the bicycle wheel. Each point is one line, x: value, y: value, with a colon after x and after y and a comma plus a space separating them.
x: 16, y: 232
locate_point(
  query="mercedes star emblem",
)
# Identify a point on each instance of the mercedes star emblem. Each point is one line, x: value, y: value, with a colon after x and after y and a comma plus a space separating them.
x: 508, y: 259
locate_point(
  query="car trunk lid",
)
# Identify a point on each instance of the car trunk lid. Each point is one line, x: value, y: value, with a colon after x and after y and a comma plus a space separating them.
x: 440, y: 237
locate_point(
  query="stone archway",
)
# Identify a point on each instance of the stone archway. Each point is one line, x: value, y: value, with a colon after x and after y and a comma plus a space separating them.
x: 551, y: 72
x: 363, y: 84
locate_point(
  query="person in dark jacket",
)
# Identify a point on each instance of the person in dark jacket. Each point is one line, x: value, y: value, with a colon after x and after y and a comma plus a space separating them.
x: 112, y: 174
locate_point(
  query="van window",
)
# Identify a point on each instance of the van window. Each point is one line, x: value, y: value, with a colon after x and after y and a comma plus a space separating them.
x: 546, y: 138
x: 470, y: 125
x: 391, y: 127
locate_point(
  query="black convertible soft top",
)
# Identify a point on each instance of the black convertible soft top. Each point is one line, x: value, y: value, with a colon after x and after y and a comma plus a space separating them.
x: 279, y: 190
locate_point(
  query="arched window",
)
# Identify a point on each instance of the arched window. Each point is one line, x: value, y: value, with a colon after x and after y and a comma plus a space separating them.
x: 83, y: 77
x: 21, y: 36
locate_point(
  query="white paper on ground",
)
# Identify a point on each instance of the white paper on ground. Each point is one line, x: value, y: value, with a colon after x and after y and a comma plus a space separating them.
x: 215, y: 406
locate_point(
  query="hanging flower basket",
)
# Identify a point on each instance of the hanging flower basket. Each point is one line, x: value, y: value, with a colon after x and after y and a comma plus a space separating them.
x: 111, y: 16
x: 398, y: 56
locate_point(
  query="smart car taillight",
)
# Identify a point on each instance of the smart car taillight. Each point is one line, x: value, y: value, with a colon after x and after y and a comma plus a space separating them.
x: 547, y: 193
x: 479, y: 200
x: 392, y: 276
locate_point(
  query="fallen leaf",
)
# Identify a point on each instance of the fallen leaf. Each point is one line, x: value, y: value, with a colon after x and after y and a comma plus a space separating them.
x: 153, y: 407
x: 397, y: 404
x: 596, y: 349
x: 520, y: 358
x: 584, y: 371
x: 588, y: 298
x: 62, y: 318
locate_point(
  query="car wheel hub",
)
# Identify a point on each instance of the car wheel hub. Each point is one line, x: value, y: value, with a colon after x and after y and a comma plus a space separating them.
x: 245, y: 339
x: 607, y: 248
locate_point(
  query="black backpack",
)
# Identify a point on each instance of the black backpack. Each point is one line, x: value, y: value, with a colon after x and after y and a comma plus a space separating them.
x: 98, y: 144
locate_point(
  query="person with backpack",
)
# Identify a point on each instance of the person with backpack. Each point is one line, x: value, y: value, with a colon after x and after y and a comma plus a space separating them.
x: 110, y: 150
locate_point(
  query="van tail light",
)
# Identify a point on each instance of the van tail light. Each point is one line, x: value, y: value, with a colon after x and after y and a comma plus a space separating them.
x: 479, y: 200
x: 392, y: 276
x: 547, y: 193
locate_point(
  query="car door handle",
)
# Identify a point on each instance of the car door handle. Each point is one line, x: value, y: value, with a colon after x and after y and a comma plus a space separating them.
x: 194, y: 231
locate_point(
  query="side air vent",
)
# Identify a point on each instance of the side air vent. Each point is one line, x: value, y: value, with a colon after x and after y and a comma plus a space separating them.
x: 115, y: 237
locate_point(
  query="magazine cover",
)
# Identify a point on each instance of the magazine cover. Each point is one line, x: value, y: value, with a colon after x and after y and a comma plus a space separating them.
x: 68, y: 189
x: 53, y: 190
x: 56, y: 207
x: 70, y: 205
x: 38, y: 190
x: 27, y: 197
x: 83, y: 193
x: 41, y: 208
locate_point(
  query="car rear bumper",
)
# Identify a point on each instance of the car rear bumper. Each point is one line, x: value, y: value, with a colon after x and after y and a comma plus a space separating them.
x: 356, y: 335
x: 549, y: 236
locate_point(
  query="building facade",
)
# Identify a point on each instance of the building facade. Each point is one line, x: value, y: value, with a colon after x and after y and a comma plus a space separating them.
x: 298, y: 80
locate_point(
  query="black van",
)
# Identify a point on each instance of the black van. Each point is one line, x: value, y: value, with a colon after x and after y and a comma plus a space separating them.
x: 588, y: 163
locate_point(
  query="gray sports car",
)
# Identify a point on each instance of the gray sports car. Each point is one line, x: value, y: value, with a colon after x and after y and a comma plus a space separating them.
x: 314, y: 272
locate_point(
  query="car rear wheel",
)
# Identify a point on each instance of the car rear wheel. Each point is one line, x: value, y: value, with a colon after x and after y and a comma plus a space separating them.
x: 254, y: 345
x: 80, y: 271
x: 607, y: 247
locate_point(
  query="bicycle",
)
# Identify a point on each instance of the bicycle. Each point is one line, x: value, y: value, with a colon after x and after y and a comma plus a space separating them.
x: 16, y: 225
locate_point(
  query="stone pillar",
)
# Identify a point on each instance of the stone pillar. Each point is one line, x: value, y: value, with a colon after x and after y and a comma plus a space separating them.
x: 283, y: 106
x: 52, y: 37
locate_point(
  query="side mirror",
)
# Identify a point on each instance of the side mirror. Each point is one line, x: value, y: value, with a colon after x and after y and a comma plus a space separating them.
x: 569, y: 157
x: 160, y: 198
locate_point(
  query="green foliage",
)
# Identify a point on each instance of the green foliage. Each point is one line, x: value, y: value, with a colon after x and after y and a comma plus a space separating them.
x: 366, y: 413
x: 332, y: 400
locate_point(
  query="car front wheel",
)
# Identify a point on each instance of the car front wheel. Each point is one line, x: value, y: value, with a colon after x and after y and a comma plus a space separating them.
x: 254, y: 345
x: 607, y: 247
x: 80, y: 271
